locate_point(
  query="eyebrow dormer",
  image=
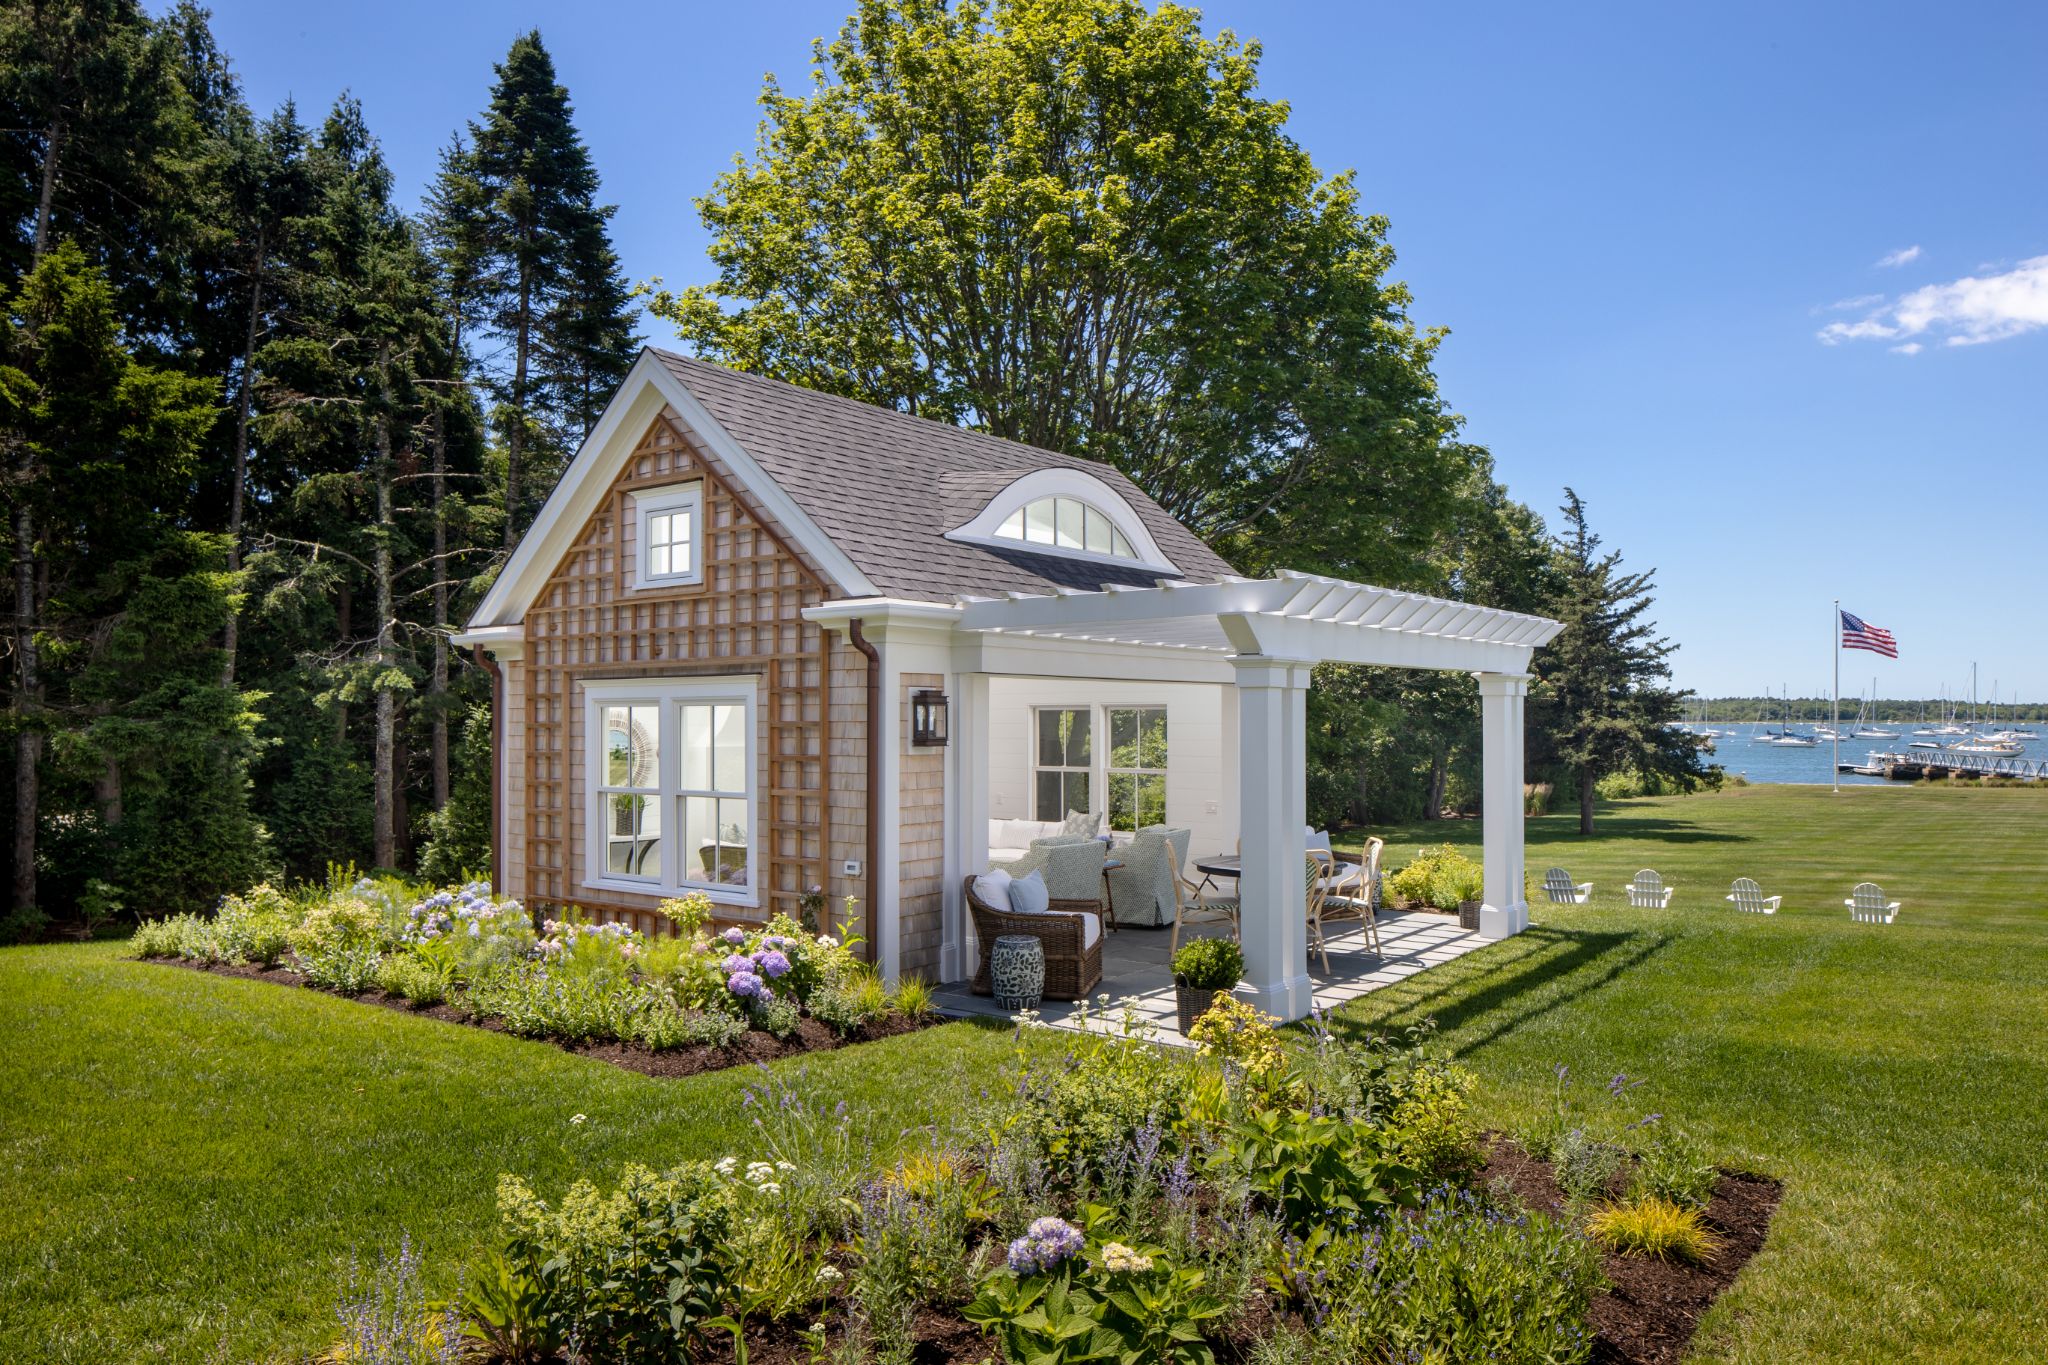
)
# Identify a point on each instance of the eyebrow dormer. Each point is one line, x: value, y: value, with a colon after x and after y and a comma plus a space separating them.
x: 1066, y: 512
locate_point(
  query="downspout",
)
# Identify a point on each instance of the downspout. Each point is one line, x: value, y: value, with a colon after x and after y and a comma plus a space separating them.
x: 490, y: 666
x: 874, y: 821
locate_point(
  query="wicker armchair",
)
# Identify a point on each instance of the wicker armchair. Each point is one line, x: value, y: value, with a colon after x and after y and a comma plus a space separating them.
x: 1073, y: 966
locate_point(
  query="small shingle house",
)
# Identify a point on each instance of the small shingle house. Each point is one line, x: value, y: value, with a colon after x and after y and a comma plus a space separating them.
x: 761, y: 639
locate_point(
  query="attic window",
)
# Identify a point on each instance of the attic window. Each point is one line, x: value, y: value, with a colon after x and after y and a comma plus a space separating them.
x: 1066, y: 524
x: 671, y: 535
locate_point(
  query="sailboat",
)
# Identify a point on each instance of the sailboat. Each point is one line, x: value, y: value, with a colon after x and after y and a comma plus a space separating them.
x: 1866, y: 726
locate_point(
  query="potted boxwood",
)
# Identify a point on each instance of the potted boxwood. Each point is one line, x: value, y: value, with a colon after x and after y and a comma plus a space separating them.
x: 1202, y: 971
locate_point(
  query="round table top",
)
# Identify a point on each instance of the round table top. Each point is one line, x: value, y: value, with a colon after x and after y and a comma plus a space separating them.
x: 1221, y: 865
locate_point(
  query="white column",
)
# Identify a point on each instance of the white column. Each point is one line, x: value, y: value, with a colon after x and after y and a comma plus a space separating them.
x: 967, y: 819
x: 1501, y: 697
x: 1272, y: 739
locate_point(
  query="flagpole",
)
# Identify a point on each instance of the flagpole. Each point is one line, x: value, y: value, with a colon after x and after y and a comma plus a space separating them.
x: 1835, y: 629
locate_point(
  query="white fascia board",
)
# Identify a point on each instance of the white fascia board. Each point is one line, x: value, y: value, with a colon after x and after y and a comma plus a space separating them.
x: 1320, y: 641
x: 1033, y: 656
x: 505, y: 642
x: 883, y: 610
x: 648, y: 388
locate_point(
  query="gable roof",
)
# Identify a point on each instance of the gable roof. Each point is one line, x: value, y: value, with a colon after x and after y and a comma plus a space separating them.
x: 886, y: 487
x: 867, y: 492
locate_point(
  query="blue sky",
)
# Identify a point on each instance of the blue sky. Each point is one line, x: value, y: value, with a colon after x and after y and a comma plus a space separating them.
x: 1658, y: 235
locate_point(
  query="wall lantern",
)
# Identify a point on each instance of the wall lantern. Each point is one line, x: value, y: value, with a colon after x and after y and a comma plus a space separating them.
x: 927, y: 720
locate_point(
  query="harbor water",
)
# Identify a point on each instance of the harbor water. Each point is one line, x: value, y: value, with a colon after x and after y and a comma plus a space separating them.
x: 1742, y: 753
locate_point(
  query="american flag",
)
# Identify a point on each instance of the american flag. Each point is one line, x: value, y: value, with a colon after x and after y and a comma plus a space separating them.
x: 1860, y: 634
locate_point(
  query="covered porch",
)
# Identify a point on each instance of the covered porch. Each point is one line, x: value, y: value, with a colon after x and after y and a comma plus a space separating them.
x: 1256, y: 641
x: 1136, y: 976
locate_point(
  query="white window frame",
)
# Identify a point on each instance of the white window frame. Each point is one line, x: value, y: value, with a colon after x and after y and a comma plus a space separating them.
x: 670, y: 695
x: 1110, y: 772
x: 654, y: 502
x: 1076, y: 485
x: 1093, y: 770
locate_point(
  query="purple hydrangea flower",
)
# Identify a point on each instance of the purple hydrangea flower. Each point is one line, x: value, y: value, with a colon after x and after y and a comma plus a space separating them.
x: 1045, y: 1244
x: 736, y: 962
x: 773, y: 963
x: 734, y: 937
x: 745, y: 984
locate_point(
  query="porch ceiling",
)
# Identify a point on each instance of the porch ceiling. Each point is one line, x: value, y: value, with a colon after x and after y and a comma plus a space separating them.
x: 1288, y: 616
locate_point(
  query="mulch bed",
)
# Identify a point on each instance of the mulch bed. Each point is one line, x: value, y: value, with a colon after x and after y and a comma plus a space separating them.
x: 753, y: 1048
x: 1648, y: 1313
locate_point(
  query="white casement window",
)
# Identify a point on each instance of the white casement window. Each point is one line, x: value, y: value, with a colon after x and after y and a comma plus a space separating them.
x: 672, y: 787
x: 671, y: 535
x: 1136, y: 765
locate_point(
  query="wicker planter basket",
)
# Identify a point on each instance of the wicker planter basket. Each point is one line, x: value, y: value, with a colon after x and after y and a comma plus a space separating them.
x: 1468, y: 915
x: 1192, y: 1002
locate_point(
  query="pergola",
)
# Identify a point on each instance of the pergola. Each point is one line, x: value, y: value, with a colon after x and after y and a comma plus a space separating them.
x: 1273, y: 631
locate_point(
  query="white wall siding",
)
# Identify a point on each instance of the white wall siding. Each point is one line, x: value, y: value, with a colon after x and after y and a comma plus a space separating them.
x: 1200, y: 786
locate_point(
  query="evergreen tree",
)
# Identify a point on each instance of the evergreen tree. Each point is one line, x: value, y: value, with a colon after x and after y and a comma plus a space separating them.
x: 1598, y: 702
x: 348, y: 389
x: 530, y: 244
x: 459, y: 833
x: 98, y: 445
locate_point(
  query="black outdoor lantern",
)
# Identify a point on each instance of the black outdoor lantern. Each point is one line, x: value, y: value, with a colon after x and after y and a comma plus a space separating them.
x: 927, y: 720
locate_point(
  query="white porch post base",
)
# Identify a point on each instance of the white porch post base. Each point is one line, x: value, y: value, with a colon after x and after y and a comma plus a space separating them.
x: 1272, y: 737
x: 1505, y: 911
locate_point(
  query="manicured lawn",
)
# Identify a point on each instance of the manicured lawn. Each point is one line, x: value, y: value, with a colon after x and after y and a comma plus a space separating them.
x: 184, y: 1158
x: 1895, y: 1076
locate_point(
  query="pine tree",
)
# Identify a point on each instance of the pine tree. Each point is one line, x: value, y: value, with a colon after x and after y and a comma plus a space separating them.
x: 520, y: 208
x: 349, y: 391
x: 1597, y: 701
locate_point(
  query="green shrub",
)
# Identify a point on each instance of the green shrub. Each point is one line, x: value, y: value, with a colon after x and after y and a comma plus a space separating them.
x: 639, y: 1274
x: 256, y: 926
x: 1066, y: 1296
x: 844, y: 1007
x: 1431, y: 1121
x: 1439, y: 877
x: 1313, y: 1168
x: 665, y: 1025
x: 1465, y: 1281
x: 914, y: 998
x: 1583, y: 1164
x: 1096, y: 1099
x: 186, y: 936
x: 418, y: 980
x: 350, y: 970
x: 1674, y: 1167
x: 1651, y: 1226
x: 1209, y: 964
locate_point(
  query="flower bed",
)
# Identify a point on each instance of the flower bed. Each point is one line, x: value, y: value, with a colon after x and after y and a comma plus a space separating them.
x: 1288, y: 1205
x: 664, y: 1005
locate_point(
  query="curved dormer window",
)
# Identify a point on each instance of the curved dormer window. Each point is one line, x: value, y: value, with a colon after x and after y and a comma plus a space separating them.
x: 1068, y: 524
x: 1067, y: 512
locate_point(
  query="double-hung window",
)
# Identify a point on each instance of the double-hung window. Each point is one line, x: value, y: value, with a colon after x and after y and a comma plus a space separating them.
x: 1137, y: 766
x: 672, y: 787
x: 671, y: 535
x: 1063, y: 761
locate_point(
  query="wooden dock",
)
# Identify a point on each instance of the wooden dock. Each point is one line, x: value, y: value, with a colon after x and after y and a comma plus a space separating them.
x: 1916, y: 764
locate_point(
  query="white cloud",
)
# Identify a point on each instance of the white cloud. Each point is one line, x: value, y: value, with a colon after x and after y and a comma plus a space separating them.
x: 1910, y: 348
x: 1966, y: 312
x: 1903, y: 256
x: 1850, y: 305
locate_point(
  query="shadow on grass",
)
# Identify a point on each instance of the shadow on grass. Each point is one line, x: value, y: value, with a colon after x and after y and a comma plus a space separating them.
x: 1610, y: 827
x: 1509, y: 991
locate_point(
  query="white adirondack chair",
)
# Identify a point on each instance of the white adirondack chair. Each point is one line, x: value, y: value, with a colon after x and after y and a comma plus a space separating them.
x: 1745, y: 894
x: 1648, y: 891
x: 1557, y: 884
x: 1868, y: 905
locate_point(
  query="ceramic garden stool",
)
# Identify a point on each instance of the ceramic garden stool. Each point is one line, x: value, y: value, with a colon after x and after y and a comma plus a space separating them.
x: 1016, y: 971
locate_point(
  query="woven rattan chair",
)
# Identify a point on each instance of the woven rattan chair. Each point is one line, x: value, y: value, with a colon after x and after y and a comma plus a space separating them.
x: 1073, y: 966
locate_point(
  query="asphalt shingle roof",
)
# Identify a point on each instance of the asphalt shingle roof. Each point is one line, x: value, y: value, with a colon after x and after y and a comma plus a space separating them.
x: 886, y: 488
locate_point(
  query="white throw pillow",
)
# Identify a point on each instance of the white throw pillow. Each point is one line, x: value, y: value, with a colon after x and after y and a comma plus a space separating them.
x: 1028, y: 895
x: 993, y: 888
x: 1317, y: 839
